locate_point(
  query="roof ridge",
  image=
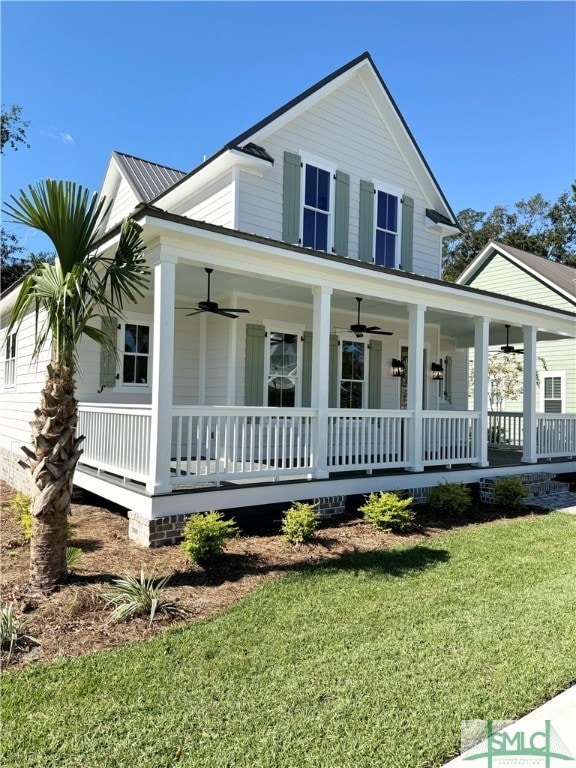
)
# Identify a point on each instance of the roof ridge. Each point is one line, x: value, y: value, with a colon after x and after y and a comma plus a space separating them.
x: 149, y: 162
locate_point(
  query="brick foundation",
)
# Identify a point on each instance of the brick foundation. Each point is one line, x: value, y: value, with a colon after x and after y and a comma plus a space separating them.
x: 330, y: 506
x: 158, y: 532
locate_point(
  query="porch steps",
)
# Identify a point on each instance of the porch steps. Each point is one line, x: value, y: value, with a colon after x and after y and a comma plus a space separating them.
x: 545, y: 491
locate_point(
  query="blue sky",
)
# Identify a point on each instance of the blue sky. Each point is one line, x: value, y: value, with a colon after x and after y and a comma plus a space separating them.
x: 487, y: 88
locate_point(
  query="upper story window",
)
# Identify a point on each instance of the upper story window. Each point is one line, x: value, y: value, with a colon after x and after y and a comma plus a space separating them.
x: 387, y: 227
x: 284, y: 364
x: 135, y: 354
x: 316, y: 214
x: 353, y: 380
x: 10, y: 361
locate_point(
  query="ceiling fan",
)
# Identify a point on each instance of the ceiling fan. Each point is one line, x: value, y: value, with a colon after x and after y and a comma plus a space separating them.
x: 211, y: 306
x: 359, y: 329
x: 507, y: 348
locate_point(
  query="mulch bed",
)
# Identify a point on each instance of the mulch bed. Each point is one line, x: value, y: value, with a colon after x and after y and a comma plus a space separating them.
x: 71, y: 621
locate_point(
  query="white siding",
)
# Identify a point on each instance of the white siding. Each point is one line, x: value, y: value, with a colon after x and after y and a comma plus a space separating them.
x: 124, y: 203
x: 214, y: 204
x: 346, y: 129
x: 17, y: 404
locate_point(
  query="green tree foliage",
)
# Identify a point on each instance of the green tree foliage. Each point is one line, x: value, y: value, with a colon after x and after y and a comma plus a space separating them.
x: 13, y: 128
x: 534, y: 225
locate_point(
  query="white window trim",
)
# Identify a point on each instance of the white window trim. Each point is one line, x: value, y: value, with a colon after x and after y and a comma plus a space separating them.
x: 397, y: 192
x: 553, y: 375
x: 10, y: 362
x: 324, y: 165
x: 133, y: 319
x: 366, y: 339
x: 297, y: 329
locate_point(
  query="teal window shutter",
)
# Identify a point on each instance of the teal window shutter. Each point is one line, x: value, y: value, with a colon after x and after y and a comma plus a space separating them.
x: 108, y: 355
x: 306, y: 369
x: 374, y: 374
x: 254, y: 375
x: 291, y: 198
x: 341, y: 213
x: 407, y: 243
x: 448, y: 379
x: 334, y: 378
x: 366, y: 227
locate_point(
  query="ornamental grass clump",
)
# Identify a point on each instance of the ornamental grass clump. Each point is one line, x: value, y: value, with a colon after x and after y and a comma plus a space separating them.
x: 13, y: 635
x: 205, y: 536
x: 132, y: 596
x: 300, y: 522
x: 510, y: 492
x: 450, y: 499
x: 387, y: 511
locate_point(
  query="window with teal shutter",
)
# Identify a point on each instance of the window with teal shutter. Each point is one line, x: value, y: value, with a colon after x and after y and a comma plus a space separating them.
x: 341, y: 213
x: 374, y: 373
x: 366, y: 223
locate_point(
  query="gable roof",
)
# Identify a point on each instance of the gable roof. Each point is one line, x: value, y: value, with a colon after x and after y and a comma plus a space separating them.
x: 385, y: 104
x: 559, y: 277
x: 147, y: 179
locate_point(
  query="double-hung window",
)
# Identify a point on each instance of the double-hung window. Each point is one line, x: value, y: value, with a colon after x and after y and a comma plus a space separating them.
x: 284, y: 369
x: 553, y: 393
x: 10, y: 362
x: 353, y: 365
x: 387, y: 227
x: 135, y: 346
x: 318, y: 205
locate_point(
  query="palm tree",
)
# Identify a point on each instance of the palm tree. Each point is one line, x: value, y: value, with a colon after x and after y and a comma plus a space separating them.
x: 66, y: 296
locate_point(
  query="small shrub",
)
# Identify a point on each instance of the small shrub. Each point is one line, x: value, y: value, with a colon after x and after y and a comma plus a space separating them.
x: 510, y: 492
x: 13, y: 635
x: 73, y: 557
x: 450, y: 499
x: 137, y: 597
x: 300, y: 522
x: 20, y: 505
x: 386, y: 511
x: 205, y: 536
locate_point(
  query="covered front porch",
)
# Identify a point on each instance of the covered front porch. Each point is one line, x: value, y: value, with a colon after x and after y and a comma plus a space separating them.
x: 191, y: 418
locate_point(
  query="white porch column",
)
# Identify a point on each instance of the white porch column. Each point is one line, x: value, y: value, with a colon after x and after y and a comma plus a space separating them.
x: 415, y: 385
x: 320, y: 376
x: 529, y: 410
x: 481, y: 345
x: 162, y: 373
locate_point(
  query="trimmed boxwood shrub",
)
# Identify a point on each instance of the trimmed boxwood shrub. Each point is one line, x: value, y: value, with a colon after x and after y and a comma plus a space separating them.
x: 386, y: 511
x: 205, y: 536
x: 300, y: 522
x: 450, y: 499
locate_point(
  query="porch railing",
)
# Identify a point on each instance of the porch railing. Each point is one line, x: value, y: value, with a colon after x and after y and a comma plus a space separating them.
x: 363, y: 439
x: 117, y: 438
x: 449, y: 437
x: 219, y: 442
x: 555, y: 435
x: 505, y: 429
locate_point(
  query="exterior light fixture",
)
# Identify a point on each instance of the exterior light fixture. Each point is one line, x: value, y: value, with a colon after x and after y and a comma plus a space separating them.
x: 397, y: 367
x: 437, y: 371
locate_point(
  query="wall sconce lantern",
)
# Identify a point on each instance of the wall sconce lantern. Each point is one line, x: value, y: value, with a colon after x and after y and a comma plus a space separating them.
x: 397, y: 367
x: 437, y: 371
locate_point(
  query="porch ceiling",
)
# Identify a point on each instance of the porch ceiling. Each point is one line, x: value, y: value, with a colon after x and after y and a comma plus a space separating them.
x: 191, y: 284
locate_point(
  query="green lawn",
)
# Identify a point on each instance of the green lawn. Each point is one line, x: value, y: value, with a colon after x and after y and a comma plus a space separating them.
x: 371, y: 661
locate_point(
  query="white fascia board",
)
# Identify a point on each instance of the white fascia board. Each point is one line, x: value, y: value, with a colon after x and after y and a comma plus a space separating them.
x: 444, y: 230
x: 231, y: 159
x: 254, y: 258
x: 476, y: 262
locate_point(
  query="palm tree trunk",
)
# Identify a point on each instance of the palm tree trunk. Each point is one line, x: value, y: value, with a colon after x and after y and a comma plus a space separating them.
x: 51, y: 464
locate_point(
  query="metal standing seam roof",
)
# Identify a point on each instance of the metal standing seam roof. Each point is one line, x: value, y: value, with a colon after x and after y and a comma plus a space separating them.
x: 561, y: 275
x: 148, y: 179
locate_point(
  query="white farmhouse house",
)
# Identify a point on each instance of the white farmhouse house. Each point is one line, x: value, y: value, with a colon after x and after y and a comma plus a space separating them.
x: 297, y: 341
